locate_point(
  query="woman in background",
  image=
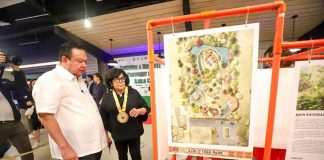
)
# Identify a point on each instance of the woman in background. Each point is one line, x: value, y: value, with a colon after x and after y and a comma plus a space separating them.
x: 34, y: 118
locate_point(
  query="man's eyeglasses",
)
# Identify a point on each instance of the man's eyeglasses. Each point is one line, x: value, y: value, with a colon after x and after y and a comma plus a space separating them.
x: 121, y: 79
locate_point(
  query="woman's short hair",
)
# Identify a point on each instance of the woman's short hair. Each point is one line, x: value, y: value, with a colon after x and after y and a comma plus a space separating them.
x: 99, y: 76
x: 115, y: 73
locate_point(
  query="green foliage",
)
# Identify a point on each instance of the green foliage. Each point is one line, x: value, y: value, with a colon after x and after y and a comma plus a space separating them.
x: 304, y: 82
x: 311, y: 89
x: 307, y: 102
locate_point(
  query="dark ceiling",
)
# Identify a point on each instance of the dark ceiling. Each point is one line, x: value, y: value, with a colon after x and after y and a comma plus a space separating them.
x: 30, y: 33
x: 61, y: 11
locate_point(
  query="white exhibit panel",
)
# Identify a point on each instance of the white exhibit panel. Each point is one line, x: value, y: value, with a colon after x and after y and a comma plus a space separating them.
x: 209, y: 95
x: 283, y: 106
x: 306, y: 136
x: 161, y: 111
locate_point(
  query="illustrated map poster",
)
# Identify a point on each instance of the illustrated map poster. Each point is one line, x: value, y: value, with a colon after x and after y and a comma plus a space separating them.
x: 209, y: 91
x: 306, y: 136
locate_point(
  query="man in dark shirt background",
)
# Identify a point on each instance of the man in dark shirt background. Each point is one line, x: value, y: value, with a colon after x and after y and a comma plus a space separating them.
x: 90, y: 83
x: 11, y: 128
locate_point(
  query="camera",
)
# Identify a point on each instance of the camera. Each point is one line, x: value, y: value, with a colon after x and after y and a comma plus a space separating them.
x: 12, y: 59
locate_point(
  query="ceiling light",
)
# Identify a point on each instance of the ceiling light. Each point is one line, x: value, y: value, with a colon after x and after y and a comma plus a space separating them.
x: 31, y: 17
x: 112, y: 63
x: 27, y: 43
x: 4, y: 23
x: 30, y: 42
x: 159, y: 54
x: 87, y: 23
x: 294, y: 50
x: 293, y: 27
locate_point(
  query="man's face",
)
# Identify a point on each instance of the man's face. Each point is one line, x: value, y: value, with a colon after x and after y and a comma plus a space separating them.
x: 88, y: 79
x: 77, y: 64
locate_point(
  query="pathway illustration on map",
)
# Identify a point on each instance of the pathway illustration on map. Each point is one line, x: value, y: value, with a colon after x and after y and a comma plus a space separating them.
x: 210, y: 75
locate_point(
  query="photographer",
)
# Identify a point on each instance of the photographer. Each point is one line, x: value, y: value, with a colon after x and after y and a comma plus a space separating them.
x: 11, y: 127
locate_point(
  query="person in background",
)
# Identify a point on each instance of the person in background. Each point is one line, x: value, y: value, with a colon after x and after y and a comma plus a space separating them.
x: 99, y: 89
x: 283, y: 64
x: 90, y: 83
x: 36, y: 125
x: 123, y: 111
x: 11, y: 127
x: 67, y: 110
x: 19, y: 97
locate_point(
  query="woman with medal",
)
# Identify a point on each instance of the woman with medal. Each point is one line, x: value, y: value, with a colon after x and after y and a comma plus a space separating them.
x: 123, y: 111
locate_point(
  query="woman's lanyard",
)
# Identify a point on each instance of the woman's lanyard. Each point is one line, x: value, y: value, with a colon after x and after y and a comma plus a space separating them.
x: 122, y: 116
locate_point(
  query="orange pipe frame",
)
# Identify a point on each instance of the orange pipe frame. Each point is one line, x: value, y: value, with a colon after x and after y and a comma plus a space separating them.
x: 277, y: 50
x: 300, y: 56
x: 276, y: 5
x: 308, y: 58
x: 303, y: 44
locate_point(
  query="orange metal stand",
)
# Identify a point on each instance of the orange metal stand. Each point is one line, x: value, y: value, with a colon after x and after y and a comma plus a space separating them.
x: 280, y: 8
x: 310, y: 54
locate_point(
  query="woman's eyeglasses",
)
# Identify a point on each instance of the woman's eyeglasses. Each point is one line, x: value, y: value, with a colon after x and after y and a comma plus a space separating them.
x: 121, y: 79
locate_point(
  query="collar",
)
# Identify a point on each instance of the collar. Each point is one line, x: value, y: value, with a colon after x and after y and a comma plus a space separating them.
x: 65, y: 73
x: 122, y: 95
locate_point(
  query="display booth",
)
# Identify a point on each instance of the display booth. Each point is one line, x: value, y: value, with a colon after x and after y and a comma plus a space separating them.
x: 216, y: 103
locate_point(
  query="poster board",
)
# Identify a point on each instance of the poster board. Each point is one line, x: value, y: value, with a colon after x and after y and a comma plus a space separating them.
x: 209, y: 95
x: 137, y: 68
x: 261, y: 87
x: 306, y: 136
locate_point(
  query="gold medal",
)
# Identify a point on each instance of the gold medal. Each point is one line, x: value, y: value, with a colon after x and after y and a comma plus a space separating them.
x: 122, y: 116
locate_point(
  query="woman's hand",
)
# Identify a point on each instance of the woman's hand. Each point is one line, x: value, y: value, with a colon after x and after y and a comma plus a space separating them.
x: 109, y: 141
x: 135, y: 112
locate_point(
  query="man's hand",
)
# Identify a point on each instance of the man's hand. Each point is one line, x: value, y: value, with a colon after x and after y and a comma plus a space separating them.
x: 50, y: 123
x: 29, y: 103
x: 68, y: 153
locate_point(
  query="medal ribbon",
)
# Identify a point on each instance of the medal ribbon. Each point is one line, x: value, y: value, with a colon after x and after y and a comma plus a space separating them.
x: 124, y: 102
